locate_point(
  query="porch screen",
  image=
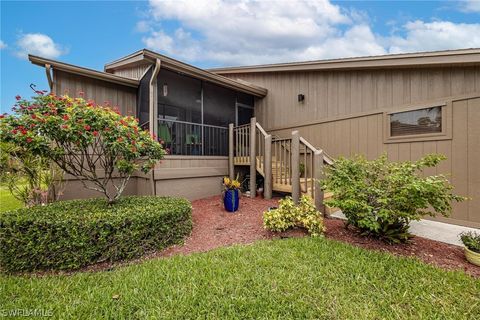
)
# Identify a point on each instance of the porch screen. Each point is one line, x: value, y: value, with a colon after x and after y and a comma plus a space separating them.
x: 193, y: 116
x: 421, y: 121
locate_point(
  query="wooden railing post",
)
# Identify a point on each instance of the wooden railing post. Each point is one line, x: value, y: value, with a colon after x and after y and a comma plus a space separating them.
x: 253, y: 160
x: 317, y: 178
x: 295, y: 166
x: 231, y: 151
x: 267, y: 168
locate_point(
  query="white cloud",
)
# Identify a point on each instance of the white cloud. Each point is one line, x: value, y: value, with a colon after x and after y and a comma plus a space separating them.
x: 253, y: 31
x: 3, y: 45
x: 437, y: 35
x: 243, y: 31
x: 142, y: 26
x: 470, y: 6
x: 38, y: 44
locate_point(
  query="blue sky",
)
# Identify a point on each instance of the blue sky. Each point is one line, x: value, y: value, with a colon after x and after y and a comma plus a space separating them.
x: 217, y: 33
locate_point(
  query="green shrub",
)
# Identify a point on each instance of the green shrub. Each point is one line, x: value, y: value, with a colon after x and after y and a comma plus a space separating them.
x: 381, y: 197
x: 71, y: 234
x: 288, y: 215
x: 471, y: 240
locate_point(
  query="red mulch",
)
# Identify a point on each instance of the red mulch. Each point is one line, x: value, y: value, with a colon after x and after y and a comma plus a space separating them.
x: 214, y: 227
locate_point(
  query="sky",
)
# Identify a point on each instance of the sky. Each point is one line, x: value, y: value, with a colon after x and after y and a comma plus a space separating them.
x: 213, y: 33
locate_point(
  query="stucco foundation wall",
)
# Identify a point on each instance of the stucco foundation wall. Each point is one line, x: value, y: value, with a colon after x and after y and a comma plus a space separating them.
x: 74, y: 189
x: 190, y: 177
x: 178, y: 176
x: 192, y: 189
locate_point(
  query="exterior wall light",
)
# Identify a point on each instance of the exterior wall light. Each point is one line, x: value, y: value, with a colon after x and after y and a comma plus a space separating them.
x: 165, y: 89
x: 301, y: 97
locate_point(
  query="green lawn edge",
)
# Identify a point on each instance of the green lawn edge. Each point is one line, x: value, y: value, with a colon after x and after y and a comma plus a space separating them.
x: 290, y: 279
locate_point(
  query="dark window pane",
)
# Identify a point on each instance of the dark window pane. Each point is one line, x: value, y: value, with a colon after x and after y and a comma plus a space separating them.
x: 218, y: 105
x: 244, y: 115
x: 179, y: 97
x: 143, y: 102
x: 423, y: 121
x: 245, y: 99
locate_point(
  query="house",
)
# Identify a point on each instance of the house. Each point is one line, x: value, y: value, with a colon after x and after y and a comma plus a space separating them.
x: 306, y: 113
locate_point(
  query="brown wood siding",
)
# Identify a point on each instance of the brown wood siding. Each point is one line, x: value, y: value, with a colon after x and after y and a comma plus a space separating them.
x: 339, y: 93
x: 100, y: 91
x: 135, y: 72
x: 344, y: 114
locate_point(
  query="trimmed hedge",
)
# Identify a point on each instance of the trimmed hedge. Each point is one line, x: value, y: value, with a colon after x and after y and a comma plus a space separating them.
x: 68, y: 235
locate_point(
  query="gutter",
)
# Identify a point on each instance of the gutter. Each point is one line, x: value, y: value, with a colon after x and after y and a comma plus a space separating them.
x: 153, y: 115
x: 48, y: 70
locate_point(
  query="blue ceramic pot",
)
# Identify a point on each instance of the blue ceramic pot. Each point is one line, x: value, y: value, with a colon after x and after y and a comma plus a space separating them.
x: 230, y: 200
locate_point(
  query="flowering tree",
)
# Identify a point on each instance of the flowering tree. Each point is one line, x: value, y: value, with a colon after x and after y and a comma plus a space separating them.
x: 91, y: 142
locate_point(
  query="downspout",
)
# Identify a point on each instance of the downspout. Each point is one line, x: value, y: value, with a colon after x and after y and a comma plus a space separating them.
x: 48, y: 70
x: 153, y: 115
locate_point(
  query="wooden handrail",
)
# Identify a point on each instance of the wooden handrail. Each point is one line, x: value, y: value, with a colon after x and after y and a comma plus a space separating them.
x: 255, y: 147
x: 307, y: 144
x: 259, y: 127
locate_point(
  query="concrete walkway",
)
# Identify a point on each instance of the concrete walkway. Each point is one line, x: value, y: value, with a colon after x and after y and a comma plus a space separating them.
x: 433, y: 230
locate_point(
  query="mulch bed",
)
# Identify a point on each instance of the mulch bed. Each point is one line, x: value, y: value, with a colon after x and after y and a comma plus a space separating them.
x: 214, y: 227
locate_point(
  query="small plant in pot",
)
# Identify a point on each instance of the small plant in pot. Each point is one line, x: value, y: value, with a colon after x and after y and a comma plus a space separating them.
x: 471, y: 240
x: 231, y: 194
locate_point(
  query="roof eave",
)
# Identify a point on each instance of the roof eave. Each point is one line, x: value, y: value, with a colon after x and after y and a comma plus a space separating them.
x: 175, y: 65
x: 61, y: 66
x: 425, y: 59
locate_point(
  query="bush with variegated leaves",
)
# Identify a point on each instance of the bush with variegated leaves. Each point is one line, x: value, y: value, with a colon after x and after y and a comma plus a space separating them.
x: 289, y: 215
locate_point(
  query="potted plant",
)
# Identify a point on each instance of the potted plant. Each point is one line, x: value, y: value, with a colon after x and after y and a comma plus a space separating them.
x: 471, y: 240
x: 230, y: 195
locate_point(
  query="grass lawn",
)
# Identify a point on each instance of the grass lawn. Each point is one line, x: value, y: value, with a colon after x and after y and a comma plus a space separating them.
x: 7, y: 201
x: 279, y: 279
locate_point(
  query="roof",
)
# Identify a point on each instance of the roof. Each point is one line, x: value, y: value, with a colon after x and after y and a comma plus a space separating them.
x: 422, y: 59
x: 57, y: 65
x: 147, y: 56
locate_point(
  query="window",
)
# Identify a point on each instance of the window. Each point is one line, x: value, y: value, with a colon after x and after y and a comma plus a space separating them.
x: 218, y: 105
x: 424, y: 123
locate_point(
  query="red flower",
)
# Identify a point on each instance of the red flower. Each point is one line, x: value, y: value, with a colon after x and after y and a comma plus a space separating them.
x: 81, y: 93
x: 120, y: 139
x: 86, y: 127
x: 24, y: 132
x: 2, y: 116
x: 64, y: 126
x: 18, y: 97
x: 66, y: 117
x: 14, y: 131
x: 29, y: 140
x: 95, y: 133
x: 33, y: 116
